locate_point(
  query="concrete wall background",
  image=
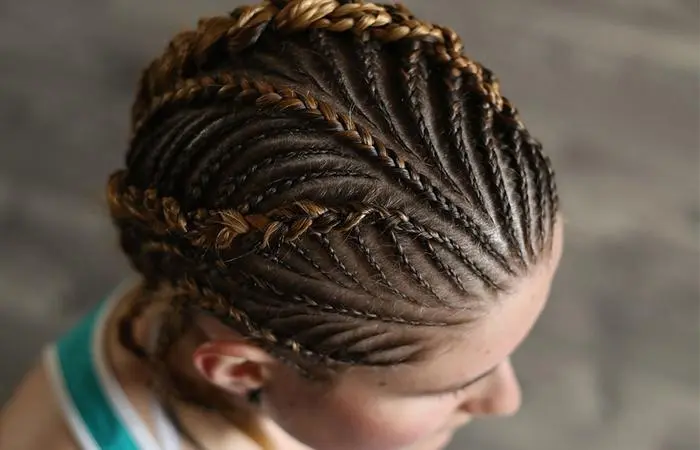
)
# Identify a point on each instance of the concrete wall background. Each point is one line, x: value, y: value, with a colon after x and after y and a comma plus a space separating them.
x: 609, y: 86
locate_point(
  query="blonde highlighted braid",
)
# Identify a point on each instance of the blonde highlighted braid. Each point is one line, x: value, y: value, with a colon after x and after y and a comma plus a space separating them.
x: 300, y: 200
x: 239, y: 31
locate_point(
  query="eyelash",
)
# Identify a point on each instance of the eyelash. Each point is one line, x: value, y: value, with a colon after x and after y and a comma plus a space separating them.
x: 453, y: 393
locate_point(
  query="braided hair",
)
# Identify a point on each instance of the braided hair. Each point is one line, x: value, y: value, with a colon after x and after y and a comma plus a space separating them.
x: 329, y: 178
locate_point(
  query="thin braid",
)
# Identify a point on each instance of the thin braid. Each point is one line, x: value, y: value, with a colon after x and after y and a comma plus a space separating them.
x: 233, y: 183
x: 546, y: 204
x: 223, y: 153
x: 505, y: 210
x: 143, y: 147
x: 184, y: 166
x: 287, y: 99
x: 214, y: 303
x: 541, y: 189
x: 319, y: 41
x: 415, y: 76
x: 190, y: 128
x: 523, y: 188
x: 552, y: 191
x: 308, y: 259
x: 406, y: 262
x: 218, y: 305
x: 368, y: 52
x: 454, y: 82
x: 306, y: 301
x: 326, y: 244
x: 407, y: 225
x: 367, y: 253
x: 432, y: 254
x: 168, y: 170
x: 252, y: 200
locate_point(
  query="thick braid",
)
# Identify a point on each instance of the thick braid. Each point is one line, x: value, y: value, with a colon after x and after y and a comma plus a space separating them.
x: 218, y: 229
x: 415, y: 75
x: 348, y: 222
x: 449, y: 49
x: 246, y: 24
x: 456, y: 132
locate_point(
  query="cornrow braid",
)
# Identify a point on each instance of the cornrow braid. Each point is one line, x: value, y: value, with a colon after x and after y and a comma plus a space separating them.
x: 415, y: 77
x: 505, y: 211
x: 337, y: 209
x: 246, y: 25
x: 308, y: 302
x: 457, y: 133
x: 367, y: 253
x: 515, y: 145
x: 406, y: 263
x: 368, y: 53
x: 432, y: 253
x: 338, y: 263
x: 286, y: 99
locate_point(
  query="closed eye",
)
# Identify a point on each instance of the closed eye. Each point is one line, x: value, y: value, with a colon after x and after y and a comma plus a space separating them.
x: 458, y: 389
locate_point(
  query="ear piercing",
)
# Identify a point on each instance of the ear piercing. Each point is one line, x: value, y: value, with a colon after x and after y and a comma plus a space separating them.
x: 254, y: 396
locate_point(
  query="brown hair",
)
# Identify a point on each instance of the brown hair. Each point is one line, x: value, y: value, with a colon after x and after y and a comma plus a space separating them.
x: 329, y: 178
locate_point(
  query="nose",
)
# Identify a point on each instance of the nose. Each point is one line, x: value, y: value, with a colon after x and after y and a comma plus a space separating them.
x: 500, y: 396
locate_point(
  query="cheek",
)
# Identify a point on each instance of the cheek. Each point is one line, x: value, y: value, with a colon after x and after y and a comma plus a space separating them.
x: 406, y: 420
x: 349, y: 421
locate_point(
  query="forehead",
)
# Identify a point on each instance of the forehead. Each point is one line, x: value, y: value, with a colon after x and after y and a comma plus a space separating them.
x: 466, y: 351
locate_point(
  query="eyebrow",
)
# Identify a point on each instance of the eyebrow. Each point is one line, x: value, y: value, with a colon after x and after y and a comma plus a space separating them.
x: 459, y: 387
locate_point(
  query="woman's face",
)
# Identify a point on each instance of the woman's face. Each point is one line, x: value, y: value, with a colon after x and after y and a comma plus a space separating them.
x: 418, y: 407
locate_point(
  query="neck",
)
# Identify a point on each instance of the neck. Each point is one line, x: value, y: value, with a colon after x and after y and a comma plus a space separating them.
x: 209, y: 428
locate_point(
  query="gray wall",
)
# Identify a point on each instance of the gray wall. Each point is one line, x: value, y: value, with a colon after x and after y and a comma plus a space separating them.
x: 610, y: 86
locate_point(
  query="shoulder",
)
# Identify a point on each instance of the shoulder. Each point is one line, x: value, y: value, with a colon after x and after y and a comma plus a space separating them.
x: 32, y: 419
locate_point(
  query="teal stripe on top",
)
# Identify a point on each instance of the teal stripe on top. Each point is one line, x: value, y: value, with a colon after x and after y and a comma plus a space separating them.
x: 76, y: 362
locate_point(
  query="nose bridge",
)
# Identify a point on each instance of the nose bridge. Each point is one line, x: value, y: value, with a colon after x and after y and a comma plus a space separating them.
x: 500, y: 396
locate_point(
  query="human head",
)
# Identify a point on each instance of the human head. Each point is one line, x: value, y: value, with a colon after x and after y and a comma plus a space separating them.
x: 352, y: 197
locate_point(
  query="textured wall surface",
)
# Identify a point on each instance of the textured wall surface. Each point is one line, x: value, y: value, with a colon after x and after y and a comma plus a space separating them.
x: 609, y: 86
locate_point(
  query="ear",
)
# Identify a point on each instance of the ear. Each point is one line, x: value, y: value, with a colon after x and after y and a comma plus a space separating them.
x: 235, y: 366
